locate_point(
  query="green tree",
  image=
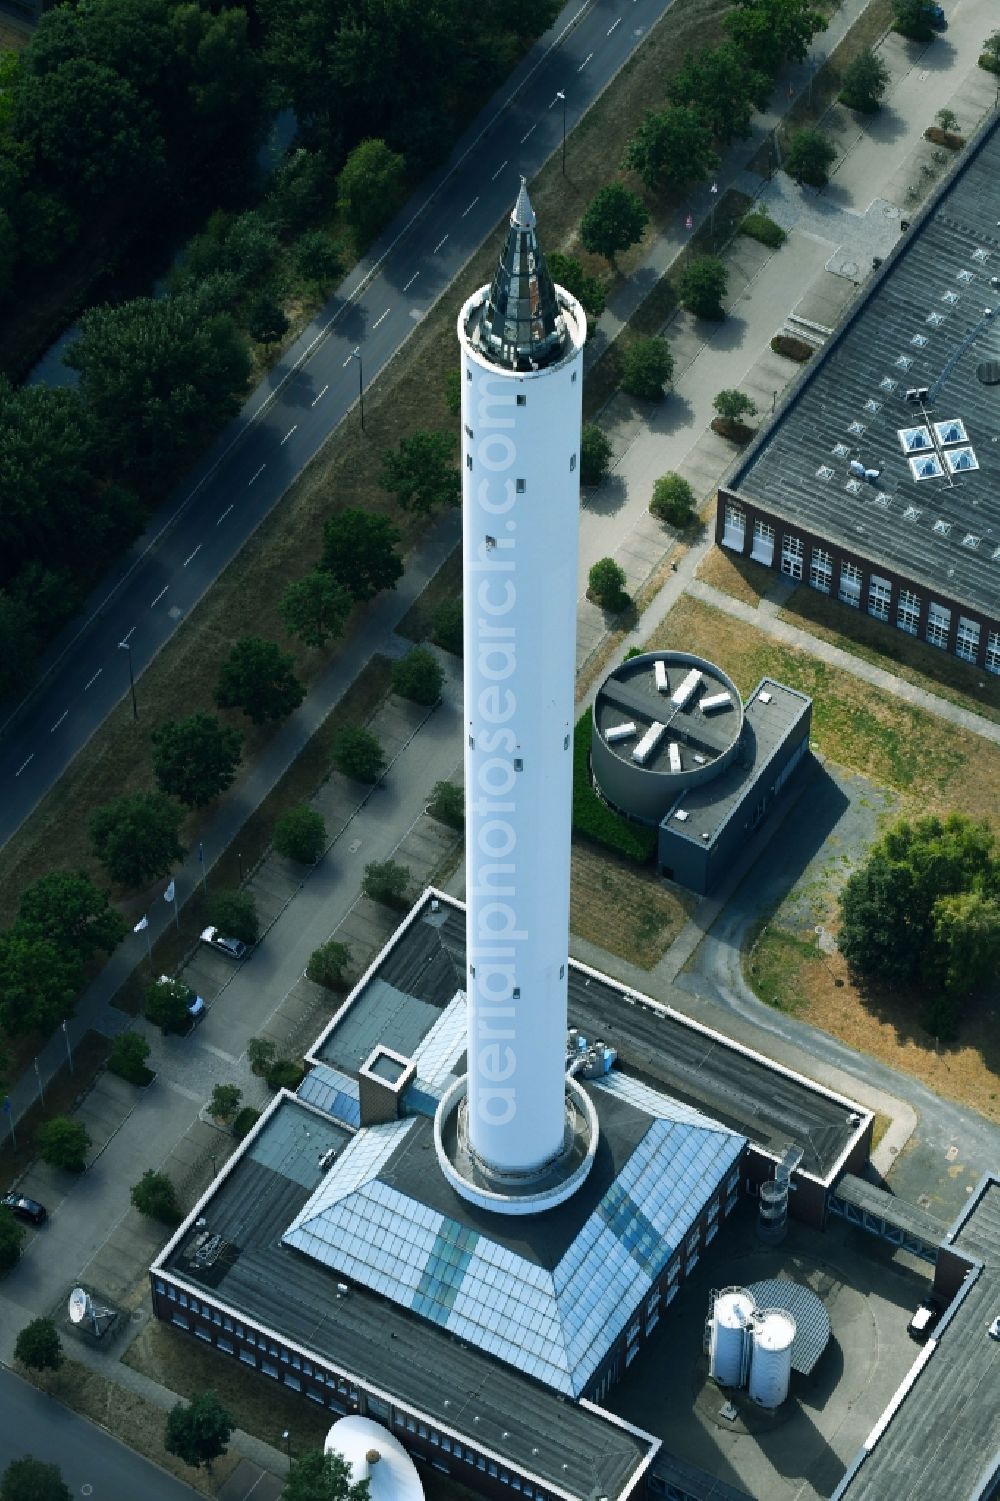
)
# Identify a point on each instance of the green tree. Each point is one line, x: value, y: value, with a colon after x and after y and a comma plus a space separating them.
x: 300, y: 834
x: 370, y: 188
x: 30, y: 1479
x: 418, y: 676
x: 198, y: 1431
x: 135, y: 837
x: 671, y: 148
x: 359, y: 551
x: 17, y: 647
x: 267, y: 322
x: 606, y: 585
x: 702, y: 287
x: 67, y: 908
x: 196, y: 758
x: 991, y: 50
x: 721, y: 84
x: 947, y: 120
x: 567, y: 272
x: 39, y: 1347
x: 448, y: 625
x: 317, y: 259
x: 156, y: 1197
x: 358, y: 755
x: 647, y: 365
x: 129, y: 1052
x: 315, y: 608
x: 614, y: 220
x: 965, y: 947
x: 319, y: 1476
x: 244, y: 1122
x: 773, y: 32
x: 167, y: 1003
x: 234, y: 912
x: 733, y: 406
x: 225, y: 1102
x: 40, y: 979
x: 447, y: 805
x: 11, y: 1240
x: 865, y: 81
x: 387, y: 881
x: 63, y: 1143
x: 673, y: 500
x: 421, y: 473
x: 257, y: 677
x: 299, y: 190
x: 161, y: 376
x: 914, y: 19
x: 328, y: 963
x: 809, y: 156
x: 260, y: 1054
x: 595, y: 454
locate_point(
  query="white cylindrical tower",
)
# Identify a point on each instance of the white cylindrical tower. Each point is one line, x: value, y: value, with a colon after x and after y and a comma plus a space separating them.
x: 732, y: 1321
x: 771, y: 1360
x: 522, y: 378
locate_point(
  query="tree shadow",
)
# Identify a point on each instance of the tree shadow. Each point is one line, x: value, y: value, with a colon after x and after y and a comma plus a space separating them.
x: 607, y: 498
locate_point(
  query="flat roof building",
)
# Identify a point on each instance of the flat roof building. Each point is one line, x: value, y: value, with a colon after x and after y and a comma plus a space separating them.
x: 879, y: 481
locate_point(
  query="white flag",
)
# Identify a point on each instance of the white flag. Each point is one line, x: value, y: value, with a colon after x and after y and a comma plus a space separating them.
x: 142, y: 924
x: 715, y: 187
x: 168, y: 895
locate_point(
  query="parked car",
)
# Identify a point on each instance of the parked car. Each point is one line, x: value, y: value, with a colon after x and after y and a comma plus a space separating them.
x: 233, y: 948
x: 938, y: 18
x: 923, y: 1320
x: 25, y: 1209
x: 993, y: 1330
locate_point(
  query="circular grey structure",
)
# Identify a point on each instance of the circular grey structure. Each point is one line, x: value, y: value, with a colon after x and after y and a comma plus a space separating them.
x: 664, y: 722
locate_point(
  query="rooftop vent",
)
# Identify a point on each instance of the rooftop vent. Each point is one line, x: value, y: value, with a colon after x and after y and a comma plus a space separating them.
x: 912, y: 513
x: 882, y: 500
x: 971, y: 540
x: 706, y: 836
x: 996, y: 554
x: 981, y: 255
x: 857, y: 468
x: 887, y: 383
x: 964, y: 277
x: 919, y: 340
x: 935, y: 319
x: 871, y: 405
x: 916, y: 393
x: 764, y: 696
x: 824, y: 472
x: 840, y: 450
x: 904, y: 362
x: 853, y: 486
x: 950, y: 298
x: 857, y: 428
x: 942, y: 528
x: 682, y: 815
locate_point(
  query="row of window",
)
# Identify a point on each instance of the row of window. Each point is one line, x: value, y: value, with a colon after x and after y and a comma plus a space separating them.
x: 407, y: 1424
x: 850, y: 587
x: 520, y: 485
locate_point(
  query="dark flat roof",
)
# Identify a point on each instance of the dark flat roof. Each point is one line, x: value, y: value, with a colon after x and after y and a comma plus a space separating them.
x: 563, y: 1444
x: 884, y: 1205
x: 940, y: 270
x: 630, y: 694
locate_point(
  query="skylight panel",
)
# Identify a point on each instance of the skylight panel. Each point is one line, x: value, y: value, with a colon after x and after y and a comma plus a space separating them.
x: 942, y: 528
x: 928, y: 466
x: 824, y: 472
x: 871, y: 405
x: 912, y: 513
x: 882, y: 499
x: 971, y: 541
x: 887, y: 383
x: 961, y: 459
x: 952, y: 431
x: 964, y: 277
x: 919, y: 340
x: 840, y: 450
x: 904, y: 362
x: 935, y: 319
x: 857, y: 428
x: 950, y: 298
x: 914, y: 439
x: 981, y: 255
x: 853, y: 486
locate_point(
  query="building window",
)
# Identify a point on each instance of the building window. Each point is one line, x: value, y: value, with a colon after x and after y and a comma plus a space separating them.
x: 248, y: 1358
x: 733, y: 1181
x: 938, y: 625
x: 180, y: 1321
x: 468, y: 432
x: 692, y: 1263
x: 468, y: 461
x: 908, y: 611
x: 821, y: 570
x: 653, y: 1302
x: 763, y: 542
x: 692, y: 1244
x: 204, y: 1334
x: 792, y: 553
x: 378, y: 1410
x: 225, y: 1344
x: 172, y: 1294
x: 522, y: 401
x: 735, y: 529
x: 633, y: 1333
x: 711, y: 1233
x: 879, y: 597
x: 630, y: 1354
x: 269, y: 1369
x: 160, y: 1287
x: 967, y: 644
x: 652, y: 1322
x: 293, y: 1382
x: 468, y: 374
x: 520, y: 485
x: 850, y: 584
x: 572, y: 379
x: 572, y: 461
x: 672, y: 1292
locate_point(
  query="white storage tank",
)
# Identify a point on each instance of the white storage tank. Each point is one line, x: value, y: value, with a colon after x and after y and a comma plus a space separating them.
x: 771, y: 1357
x: 731, y: 1320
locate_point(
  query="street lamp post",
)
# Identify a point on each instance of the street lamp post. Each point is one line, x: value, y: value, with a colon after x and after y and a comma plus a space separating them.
x: 286, y: 1439
x: 560, y: 94
x: 69, y: 1050
x: 127, y: 646
x: 356, y: 355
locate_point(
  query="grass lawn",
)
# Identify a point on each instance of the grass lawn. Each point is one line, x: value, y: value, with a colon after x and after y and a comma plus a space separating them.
x: 934, y: 768
x: 628, y: 911
x: 61, y: 1094
x: 741, y: 577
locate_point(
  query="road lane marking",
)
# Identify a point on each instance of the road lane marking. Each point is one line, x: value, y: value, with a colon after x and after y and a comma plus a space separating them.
x: 192, y: 556
x: 499, y: 170
x: 611, y: 28
x: 471, y: 206
x: 292, y: 429
x: 59, y: 721
x: 93, y: 680
x: 412, y: 279
x: 437, y: 247
x: 24, y: 764
x: 162, y: 592
x: 127, y: 634
x: 380, y: 320
x: 260, y: 471
x: 320, y: 396
x: 224, y: 515
x: 586, y: 60
x: 528, y: 132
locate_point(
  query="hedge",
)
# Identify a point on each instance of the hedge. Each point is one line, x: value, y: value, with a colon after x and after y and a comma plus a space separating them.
x: 594, y: 819
x: 761, y: 227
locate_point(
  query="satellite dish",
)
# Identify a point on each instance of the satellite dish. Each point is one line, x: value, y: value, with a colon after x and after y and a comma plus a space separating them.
x: 79, y: 1305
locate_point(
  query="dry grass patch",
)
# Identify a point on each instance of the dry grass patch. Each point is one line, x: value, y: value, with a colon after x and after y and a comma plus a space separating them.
x: 627, y: 911
x: 740, y: 577
x: 934, y: 768
x: 62, y: 1093
x: 879, y: 643
x: 417, y: 623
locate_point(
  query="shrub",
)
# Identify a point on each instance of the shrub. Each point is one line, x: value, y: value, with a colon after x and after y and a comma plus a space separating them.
x: 63, y: 1143
x: 244, y: 1122
x: 358, y: 755
x: 418, y: 676
x: 865, y: 82
x: 129, y: 1052
x: 594, y: 819
x: 447, y: 805
x: 11, y: 1238
x: 327, y: 964
x: 225, y: 1102
x: 792, y: 349
x: 646, y: 367
x: 284, y: 1074
x: 156, y: 1197
x: 167, y: 1003
x: 387, y: 881
x: 606, y: 585
x: 760, y: 227
x: 913, y: 19
x: 702, y: 286
x: 234, y: 913
x: 595, y: 455
x: 733, y: 406
x: 673, y: 500
x: 38, y: 1346
x: 447, y: 626
x: 809, y: 156
x: 260, y: 1055
x: 300, y: 834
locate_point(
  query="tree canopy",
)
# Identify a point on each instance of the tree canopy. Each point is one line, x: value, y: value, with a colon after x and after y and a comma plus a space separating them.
x: 300, y: 834
x: 702, y: 287
x: 38, y: 1346
x: 136, y: 837
x: 647, y: 366
x: 258, y: 678
x: 198, y: 1431
x: 319, y: 1476
x: 358, y: 755
x: 809, y: 156
x: 40, y: 979
x: 418, y: 676
x: 315, y: 608
x: 723, y: 86
x: 773, y: 32
x: 614, y: 220
x: 370, y: 188
x: 30, y: 1479
x: 359, y: 551
x: 233, y: 910
x: 673, y: 500
x: 865, y: 81
x: 567, y: 272
x: 62, y: 1142
x: 195, y: 758
x: 156, y: 1197
x: 167, y: 1003
x: 672, y: 147
x: 11, y: 1239
x: 421, y: 473
x: 66, y: 907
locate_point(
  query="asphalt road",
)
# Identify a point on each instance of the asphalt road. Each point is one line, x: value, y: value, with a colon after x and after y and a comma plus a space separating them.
x: 92, y: 1462
x: 303, y: 399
